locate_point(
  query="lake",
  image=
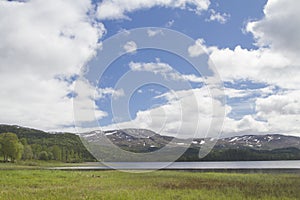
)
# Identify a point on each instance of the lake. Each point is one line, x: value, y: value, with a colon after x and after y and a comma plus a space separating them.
x: 235, y: 165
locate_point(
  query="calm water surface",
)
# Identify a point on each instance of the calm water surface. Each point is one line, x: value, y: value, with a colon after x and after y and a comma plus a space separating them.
x: 188, y: 165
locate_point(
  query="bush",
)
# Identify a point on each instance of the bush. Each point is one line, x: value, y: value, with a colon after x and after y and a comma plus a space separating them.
x: 43, y: 155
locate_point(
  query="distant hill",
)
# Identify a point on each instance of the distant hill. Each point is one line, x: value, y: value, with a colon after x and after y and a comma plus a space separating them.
x: 252, y: 147
x: 260, y: 142
x: 249, y: 147
x: 69, y: 144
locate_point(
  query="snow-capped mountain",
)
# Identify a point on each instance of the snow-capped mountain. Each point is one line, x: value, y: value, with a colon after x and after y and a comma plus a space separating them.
x: 143, y: 140
x: 260, y: 142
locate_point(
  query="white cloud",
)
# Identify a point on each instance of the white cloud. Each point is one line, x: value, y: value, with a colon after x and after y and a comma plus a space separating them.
x: 165, y: 70
x: 247, y: 125
x: 279, y: 28
x: 39, y: 42
x: 87, y: 95
x: 278, y: 113
x: 266, y: 64
x: 31, y: 101
x: 262, y: 65
x: 199, y: 48
x: 130, y: 47
x: 84, y: 104
x: 275, y: 114
x: 281, y: 112
x: 47, y: 36
x: 102, y: 92
x: 287, y: 103
x: 275, y: 62
x: 216, y: 16
x: 124, y: 31
x: 153, y: 32
x: 117, y: 9
x: 239, y: 93
x: 181, y: 112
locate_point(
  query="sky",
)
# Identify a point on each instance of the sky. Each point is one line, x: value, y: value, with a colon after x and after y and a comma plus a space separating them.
x: 54, y: 78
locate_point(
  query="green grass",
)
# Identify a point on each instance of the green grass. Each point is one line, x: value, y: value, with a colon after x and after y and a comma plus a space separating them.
x: 38, y: 164
x: 46, y: 184
x: 33, y: 164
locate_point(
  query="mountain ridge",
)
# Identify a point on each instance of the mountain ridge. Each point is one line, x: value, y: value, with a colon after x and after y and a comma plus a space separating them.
x: 247, y: 147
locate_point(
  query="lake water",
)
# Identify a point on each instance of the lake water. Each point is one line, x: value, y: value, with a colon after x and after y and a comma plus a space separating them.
x: 272, y: 165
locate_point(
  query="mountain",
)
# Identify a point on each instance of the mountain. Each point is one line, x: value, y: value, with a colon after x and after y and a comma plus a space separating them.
x: 146, y: 139
x: 249, y: 147
x: 260, y: 142
x: 135, y: 140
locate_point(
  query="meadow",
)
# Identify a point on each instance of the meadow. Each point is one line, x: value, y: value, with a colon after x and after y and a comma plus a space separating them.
x: 54, y: 184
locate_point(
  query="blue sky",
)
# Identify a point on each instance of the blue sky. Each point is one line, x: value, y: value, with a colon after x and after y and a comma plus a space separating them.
x: 51, y: 53
x: 144, y: 96
x: 227, y: 34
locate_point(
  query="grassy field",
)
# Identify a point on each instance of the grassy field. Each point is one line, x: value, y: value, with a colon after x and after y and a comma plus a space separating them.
x: 37, y: 164
x: 46, y: 184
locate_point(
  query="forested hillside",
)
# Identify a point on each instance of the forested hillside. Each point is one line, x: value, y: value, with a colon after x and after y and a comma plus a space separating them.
x: 25, y: 143
x: 38, y: 144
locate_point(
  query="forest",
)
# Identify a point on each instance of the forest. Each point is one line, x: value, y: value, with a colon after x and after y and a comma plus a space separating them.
x: 30, y: 144
x: 19, y: 143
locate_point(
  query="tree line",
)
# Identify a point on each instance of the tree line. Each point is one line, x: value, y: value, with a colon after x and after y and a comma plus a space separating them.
x: 243, y: 154
x: 12, y: 148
